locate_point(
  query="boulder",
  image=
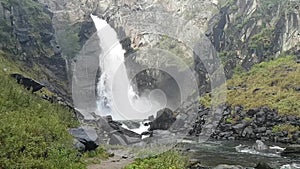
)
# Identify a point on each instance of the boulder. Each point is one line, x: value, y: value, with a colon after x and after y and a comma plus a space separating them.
x: 196, y: 164
x: 164, y: 120
x: 260, y: 130
x: 248, y: 132
x: 262, y: 166
x: 260, y: 146
x: 117, y: 139
x: 87, y: 136
x: 27, y: 82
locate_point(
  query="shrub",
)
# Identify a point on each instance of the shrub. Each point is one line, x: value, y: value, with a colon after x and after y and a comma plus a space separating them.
x: 168, y: 160
x: 33, y: 132
x: 285, y: 127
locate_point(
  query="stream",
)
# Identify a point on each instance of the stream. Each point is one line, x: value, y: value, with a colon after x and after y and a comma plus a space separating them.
x: 214, y: 153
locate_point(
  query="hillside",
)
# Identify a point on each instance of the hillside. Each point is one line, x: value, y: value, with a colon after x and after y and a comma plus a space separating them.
x: 33, y: 132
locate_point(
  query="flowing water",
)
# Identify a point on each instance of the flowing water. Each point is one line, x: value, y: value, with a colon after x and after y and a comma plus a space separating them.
x: 116, y: 95
x: 241, y: 153
x: 118, y: 99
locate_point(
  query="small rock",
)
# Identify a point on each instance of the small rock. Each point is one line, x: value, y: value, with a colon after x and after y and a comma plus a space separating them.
x: 262, y: 166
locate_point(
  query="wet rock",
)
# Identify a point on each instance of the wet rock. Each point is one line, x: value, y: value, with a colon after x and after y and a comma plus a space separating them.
x: 284, y: 139
x: 260, y: 130
x: 260, y: 146
x: 87, y: 136
x: 226, y: 134
x: 248, y: 132
x: 293, y: 149
x: 238, y: 128
x: 164, y: 120
x: 195, y: 164
x: 262, y: 166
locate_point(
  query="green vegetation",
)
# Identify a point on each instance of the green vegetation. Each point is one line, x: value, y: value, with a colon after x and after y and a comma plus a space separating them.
x: 269, y: 84
x: 262, y: 41
x: 286, y: 127
x: 33, y: 132
x: 168, y: 160
x: 68, y: 39
x: 95, y: 157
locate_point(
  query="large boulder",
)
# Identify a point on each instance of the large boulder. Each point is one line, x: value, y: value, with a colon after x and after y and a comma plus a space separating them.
x: 27, y: 82
x: 260, y: 146
x: 164, y: 120
x: 87, y: 136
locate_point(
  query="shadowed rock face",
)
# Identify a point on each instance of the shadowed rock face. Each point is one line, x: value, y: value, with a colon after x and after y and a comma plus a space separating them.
x: 163, y: 121
x: 87, y: 136
x: 27, y: 82
x: 29, y: 37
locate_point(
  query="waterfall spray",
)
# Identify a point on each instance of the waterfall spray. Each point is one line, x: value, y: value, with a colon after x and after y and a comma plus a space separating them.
x: 114, y: 79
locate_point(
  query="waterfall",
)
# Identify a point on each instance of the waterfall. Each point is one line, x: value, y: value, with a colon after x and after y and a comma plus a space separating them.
x: 116, y: 95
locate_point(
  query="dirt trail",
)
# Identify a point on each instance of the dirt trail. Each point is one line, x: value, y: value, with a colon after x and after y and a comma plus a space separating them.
x: 120, y: 159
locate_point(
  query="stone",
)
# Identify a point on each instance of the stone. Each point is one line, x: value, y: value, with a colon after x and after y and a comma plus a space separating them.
x: 248, y: 132
x: 262, y: 166
x: 164, y: 120
x: 195, y: 164
x: 260, y: 146
x: 292, y: 149
x: 28, y: 83
x: 117, y: 139
x: 78, y: 145
x: 252, y: 112
x: 87, y: 136
x: 238, y: 128
x: 260, y: 130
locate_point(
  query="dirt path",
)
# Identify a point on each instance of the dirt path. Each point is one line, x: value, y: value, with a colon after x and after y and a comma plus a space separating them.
x: 112, y: 163
x: 118, y: 161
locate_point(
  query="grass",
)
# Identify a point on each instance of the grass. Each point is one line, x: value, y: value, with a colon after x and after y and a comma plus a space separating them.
x: 168, y: 160
x: 33, y: 132
x: 95, y: 156
x: 269, y: 84
x: 286, y: 127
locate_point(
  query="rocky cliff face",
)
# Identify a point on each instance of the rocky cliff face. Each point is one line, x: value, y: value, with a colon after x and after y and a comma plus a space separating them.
x: 27, y: 34
x: 251, y: 31
x: 243, y: 32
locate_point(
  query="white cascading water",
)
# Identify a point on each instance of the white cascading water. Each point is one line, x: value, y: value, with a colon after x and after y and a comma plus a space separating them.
x: 116, y: 95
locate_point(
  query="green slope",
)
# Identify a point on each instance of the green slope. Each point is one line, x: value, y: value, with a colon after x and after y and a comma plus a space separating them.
x: 33, y: 132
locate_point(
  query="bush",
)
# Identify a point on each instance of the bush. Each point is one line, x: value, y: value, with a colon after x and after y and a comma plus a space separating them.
x: 285, y: 127
x: 33, y: 132
x: 168, y: 160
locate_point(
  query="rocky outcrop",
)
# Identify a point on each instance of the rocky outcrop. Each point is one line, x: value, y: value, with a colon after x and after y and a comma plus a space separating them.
x: 86, y: 138
x: 27, y: 82
x: 252, y: 124
x: 27, y: 34
x: 252, y: 31
x: 164, y: 120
